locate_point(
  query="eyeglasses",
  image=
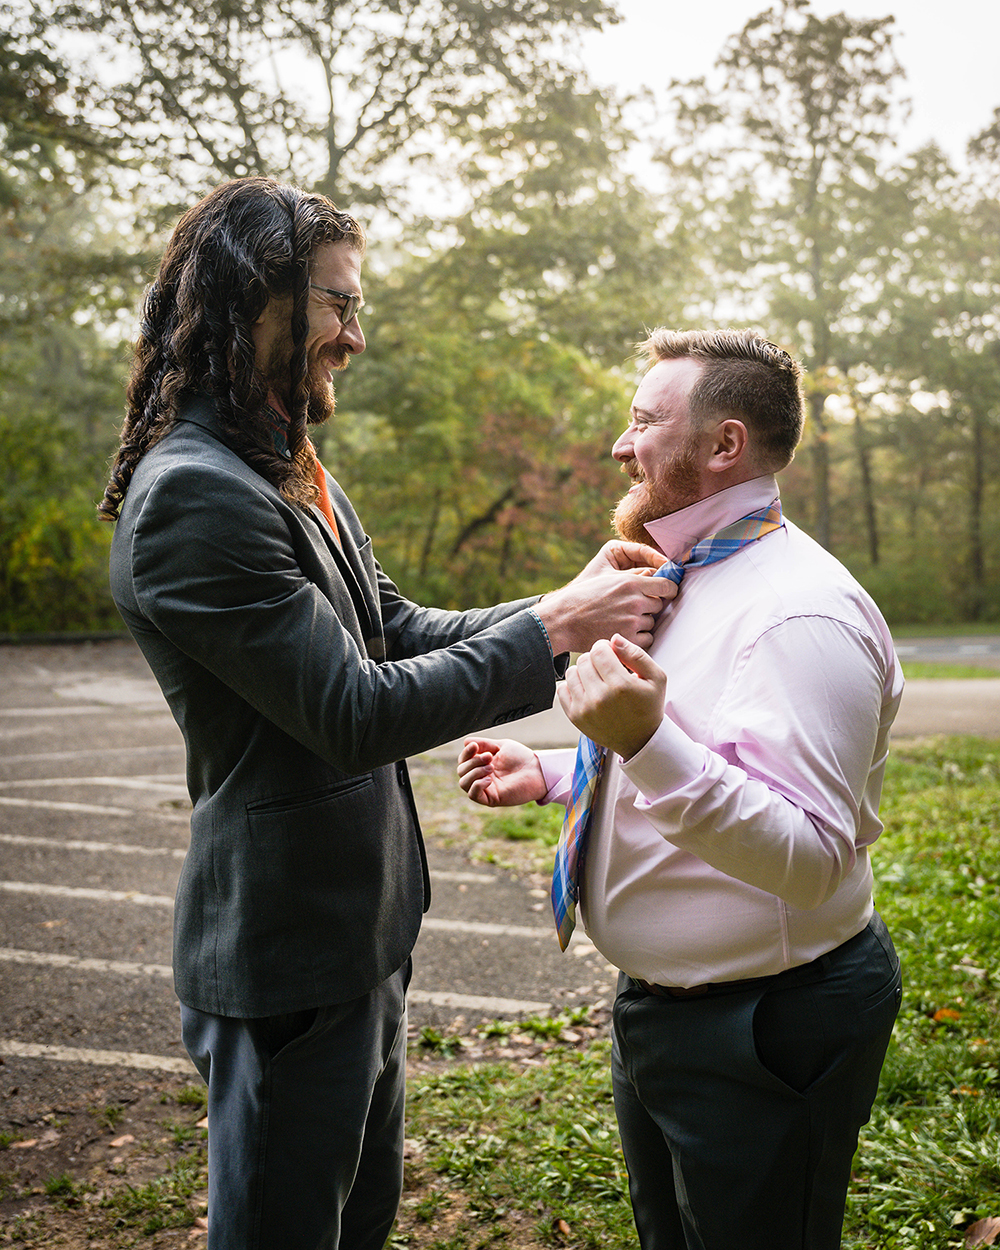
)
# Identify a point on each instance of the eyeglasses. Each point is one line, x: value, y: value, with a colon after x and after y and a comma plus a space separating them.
x: 352, y: 303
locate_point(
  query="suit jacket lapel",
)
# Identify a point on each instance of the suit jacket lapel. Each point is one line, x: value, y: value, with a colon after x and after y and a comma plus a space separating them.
x: 349, y: 558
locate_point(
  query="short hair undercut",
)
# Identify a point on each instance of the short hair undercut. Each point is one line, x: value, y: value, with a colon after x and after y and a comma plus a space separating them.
x: 746, y: 377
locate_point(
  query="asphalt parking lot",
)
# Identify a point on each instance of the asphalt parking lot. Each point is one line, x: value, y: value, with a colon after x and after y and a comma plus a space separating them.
x: 93, y: 828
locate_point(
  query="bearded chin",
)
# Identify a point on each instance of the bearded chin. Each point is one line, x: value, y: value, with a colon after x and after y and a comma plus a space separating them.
x: 630, y: 517
x: 322, y: 400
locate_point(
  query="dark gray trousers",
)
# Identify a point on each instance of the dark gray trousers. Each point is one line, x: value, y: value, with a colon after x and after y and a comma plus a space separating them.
x: 305, y: 1122
x: 739, y: 1111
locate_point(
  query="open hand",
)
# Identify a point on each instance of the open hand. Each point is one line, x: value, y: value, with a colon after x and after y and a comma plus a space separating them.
x: 499, y: 773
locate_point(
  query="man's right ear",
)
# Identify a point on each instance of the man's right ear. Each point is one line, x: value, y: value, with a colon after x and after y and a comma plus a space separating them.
x: 730, y: 446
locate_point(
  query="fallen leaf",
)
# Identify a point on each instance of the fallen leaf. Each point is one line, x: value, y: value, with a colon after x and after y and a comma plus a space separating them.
x: 125, y: 1140
x: 23, y: 1145
x: 562, y: 1227
x: 947, y: 1013
x: 202, y: 1123
x: 983, y: 1232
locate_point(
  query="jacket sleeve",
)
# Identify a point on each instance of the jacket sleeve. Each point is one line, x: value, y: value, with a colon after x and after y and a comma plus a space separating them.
x: 210, y: 564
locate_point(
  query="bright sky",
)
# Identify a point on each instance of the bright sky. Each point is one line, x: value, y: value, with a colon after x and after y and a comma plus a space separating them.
x: 949, y: 50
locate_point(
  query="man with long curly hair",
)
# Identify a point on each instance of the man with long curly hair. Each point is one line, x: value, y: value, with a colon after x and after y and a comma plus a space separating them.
x: 301, y: 678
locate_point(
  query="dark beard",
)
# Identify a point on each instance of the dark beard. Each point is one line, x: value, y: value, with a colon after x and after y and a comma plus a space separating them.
x: 322, y: 398
x: 321, y: 401
x: 677, y: 486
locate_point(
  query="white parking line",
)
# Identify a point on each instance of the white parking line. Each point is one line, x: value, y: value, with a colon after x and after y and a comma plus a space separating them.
x: 171, y: 785
x: 118, y: 848
x: 80, y: 891
x: 435, y: 998
x: 77, y: 710
x: 472, y: 878
x: 487, y: 929
x: 52, y: 959
x: 121, y: 848
x: 50, y: 805
x: 87, y: 753
x: 434, y: 923
x: 474, y: 1002
x: 100, y: 1058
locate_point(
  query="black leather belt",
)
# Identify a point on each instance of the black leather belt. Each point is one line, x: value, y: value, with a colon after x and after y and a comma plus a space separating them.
x: 673, y: 991
x: 696, y: 991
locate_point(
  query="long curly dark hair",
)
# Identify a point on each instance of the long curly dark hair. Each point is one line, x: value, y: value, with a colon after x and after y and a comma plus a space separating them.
x: 247, y: 242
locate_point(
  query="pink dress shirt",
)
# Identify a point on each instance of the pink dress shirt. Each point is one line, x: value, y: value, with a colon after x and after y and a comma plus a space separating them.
x: 735, y: 842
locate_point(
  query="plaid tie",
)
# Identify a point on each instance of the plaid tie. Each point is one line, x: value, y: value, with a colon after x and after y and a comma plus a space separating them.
x: 590, y: 757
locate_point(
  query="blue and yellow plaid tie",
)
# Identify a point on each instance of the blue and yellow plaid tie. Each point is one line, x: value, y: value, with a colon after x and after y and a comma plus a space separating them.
x: 590, y: 757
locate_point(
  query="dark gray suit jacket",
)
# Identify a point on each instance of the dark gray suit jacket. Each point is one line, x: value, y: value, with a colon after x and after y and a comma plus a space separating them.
x: 299, y: 677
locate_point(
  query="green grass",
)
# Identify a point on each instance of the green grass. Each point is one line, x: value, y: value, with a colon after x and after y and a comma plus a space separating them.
x: 529, y: 823
x: 919, y: 670
x: 162, y: 1203
x: 970, y: 629
x: 539, y: 1143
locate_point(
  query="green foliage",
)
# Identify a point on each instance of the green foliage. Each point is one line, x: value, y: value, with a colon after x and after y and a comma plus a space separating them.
x: 62, y: 1186
x: 53, y: 551
x: 474, y: 434
x: 530, y: 822
x: 434, y: 1040
x: 163, y: 1203
x: 333, y: 94
x: 540, y: 1141
x: 192, y: 1096
x: 549, y: 1027
x: 947, y: 672
x: 109, y: 1115
x: 479, y: 465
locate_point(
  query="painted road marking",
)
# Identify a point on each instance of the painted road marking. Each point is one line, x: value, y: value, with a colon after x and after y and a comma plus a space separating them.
x: 50, y: 805
x: 121, y: 848
x: 117, y: 848
x: 434, y: 923
x: 80, y: 891
x: 86, y: 754
x: 100, y: 1058
x: 475, y: 1002
x: 76, y: 710
x: 51, y: 959
x: 472, y: 878
x: 435, y: 998
x: 172, y: 785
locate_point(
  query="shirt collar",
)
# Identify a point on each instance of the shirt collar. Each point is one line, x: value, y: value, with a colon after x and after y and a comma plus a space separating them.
x: 677, y: 533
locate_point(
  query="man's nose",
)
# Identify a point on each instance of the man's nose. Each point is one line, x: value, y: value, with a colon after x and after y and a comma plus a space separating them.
x: 353, y: 337
x: 622, y: 449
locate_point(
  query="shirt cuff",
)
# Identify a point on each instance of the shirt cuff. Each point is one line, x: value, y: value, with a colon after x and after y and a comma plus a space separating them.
x: 557, y: 772
x: 668, y: 762
x: 560, y: 662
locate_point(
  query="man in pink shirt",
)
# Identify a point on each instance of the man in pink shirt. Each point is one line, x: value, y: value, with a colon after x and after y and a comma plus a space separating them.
x: 726, y: 867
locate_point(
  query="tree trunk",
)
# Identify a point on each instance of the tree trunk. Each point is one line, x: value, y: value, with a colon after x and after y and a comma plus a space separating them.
x: 821, y: 470
x: 867, y: 490
x: 977, y: 559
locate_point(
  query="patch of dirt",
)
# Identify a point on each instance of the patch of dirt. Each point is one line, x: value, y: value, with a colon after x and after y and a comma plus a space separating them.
x: 99, y: 1171
x: 95, y: 1171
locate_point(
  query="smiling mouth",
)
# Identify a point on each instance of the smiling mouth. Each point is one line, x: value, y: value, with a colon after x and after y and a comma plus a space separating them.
x: 634, y: 474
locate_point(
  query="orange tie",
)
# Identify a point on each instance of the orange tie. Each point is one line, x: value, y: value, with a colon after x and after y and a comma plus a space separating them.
x: 323, y: 502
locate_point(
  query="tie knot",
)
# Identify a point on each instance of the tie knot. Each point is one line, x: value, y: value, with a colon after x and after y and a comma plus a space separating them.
x: 672, y: 570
